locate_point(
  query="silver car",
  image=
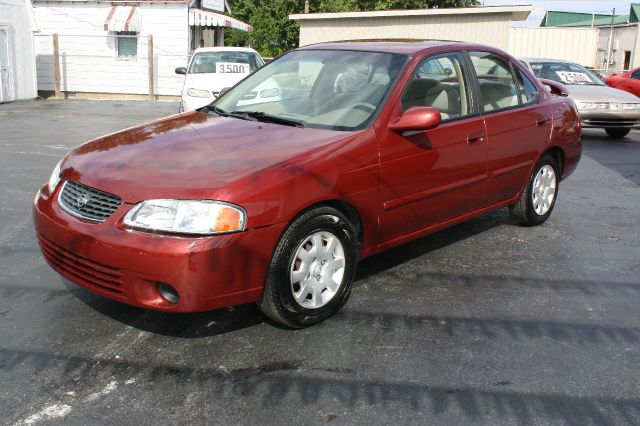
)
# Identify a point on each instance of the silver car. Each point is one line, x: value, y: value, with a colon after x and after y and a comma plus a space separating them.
x: 600, y: 106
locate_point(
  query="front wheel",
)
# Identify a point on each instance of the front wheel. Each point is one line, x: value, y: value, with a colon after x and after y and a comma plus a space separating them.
x: 311, y: 270
x: 617, y: 132
x: 539, y: 196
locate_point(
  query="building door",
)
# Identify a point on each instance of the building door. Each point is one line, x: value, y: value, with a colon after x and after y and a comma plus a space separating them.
x: 627, y: 60
x: 6, y: 79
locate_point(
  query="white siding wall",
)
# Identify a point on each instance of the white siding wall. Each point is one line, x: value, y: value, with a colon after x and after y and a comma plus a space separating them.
x: 572, y: 44
x: 88, y: 56
x: 16, y: 14
x: 492, y: 29
x: 625, y: 38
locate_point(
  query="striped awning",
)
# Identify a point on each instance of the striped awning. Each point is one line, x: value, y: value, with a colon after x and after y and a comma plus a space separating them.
x: 203, y: 18
x: 123, y: 18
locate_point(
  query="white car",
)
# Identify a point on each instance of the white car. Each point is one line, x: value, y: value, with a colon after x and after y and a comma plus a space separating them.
x: 600, y: 106
x: 213, y: 68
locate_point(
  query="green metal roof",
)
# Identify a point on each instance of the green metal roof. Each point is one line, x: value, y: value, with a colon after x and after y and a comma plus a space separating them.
x: 573, y: 19
x: 634, y: 14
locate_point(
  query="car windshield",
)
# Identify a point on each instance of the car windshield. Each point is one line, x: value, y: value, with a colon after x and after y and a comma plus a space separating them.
x: 327, y: 89
x: 565, y: 73
x: 224, y: 62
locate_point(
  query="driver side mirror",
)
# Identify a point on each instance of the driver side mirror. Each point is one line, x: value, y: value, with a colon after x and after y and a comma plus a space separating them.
x: 181, y: 70
x: 416, y: 119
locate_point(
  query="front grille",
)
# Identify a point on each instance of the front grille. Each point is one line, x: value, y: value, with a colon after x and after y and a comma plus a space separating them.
x: 86, y: 202
x: 82, y: 270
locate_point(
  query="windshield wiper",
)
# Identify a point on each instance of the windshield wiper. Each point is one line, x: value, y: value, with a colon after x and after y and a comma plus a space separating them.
x: 268, y: 118
x: 235, y: 114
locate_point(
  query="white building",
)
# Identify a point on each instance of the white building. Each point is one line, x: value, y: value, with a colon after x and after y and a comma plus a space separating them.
x: 487, y: 25
x: 119, y: 49
x: 17, y: 60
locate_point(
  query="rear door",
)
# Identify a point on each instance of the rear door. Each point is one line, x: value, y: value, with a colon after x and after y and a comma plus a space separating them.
x: 429, y: 177
x: 517, y: 123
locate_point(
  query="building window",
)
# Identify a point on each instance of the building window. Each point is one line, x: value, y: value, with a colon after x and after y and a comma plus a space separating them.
x: 127, y: 44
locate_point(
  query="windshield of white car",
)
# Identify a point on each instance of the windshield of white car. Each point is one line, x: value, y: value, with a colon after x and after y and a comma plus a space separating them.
x: 324, y: 89
x: 565, y: 73
x: 224, y: 62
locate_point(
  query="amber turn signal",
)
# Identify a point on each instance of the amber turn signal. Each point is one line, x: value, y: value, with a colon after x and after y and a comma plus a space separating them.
x: 228, y: 219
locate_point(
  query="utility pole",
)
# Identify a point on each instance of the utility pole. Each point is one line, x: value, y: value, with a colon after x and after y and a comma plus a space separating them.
x: 610, y: 44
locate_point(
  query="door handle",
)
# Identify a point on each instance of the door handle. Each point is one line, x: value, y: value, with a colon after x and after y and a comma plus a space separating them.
x: 475, y: 138
x: 541, y: 122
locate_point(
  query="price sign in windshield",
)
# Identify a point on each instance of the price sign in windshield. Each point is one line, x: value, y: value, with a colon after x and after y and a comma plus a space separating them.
x: 574, y: 77
x: 232, y: 68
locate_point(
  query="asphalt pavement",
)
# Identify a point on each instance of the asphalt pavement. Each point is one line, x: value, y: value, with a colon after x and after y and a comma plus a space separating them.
x: 484, y: 323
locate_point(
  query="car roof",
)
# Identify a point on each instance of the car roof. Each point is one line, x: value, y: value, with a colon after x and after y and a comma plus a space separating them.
x: 224, y: 49
x: 551, y: 61
x: 403, y: 46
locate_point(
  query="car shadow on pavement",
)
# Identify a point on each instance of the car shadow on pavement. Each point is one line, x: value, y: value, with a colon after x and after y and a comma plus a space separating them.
x: 190, y: 325
x: 394, y: 257
x: 607, y: 152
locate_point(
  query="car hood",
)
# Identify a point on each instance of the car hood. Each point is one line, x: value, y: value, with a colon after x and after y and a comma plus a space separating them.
x: 188, y: 156
x: 213, y: 82
x: 600, y: 94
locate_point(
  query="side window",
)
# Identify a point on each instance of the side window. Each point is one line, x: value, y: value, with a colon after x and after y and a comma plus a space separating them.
x: 528, y: 90
x: 636, y: 74
x: 498, y: 88
x: 439, y: 82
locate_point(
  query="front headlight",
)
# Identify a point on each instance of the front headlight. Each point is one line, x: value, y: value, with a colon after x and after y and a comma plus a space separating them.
x: 187, y: 217
x: 198, y: 93
x: 54, y: 178
x: 592, y: 106
x: 630, y: 106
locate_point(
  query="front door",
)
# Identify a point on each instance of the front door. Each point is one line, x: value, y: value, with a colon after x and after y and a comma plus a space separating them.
x: 431, y: 176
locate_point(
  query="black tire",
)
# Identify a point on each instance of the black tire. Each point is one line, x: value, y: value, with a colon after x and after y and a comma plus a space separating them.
x: 617, y: 132
x: 523, y: 211
x: 278, y: 301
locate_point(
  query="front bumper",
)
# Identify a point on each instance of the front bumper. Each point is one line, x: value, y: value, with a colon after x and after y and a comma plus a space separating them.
x: 626, y: 119
x: 126, y: 265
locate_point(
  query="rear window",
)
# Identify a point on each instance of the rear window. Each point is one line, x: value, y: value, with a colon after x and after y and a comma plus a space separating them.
x: 227, y: 62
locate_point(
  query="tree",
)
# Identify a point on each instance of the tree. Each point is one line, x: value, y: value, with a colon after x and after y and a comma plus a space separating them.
x: 274, y: 33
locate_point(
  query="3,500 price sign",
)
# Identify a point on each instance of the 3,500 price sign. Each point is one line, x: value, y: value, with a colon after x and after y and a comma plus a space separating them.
x: 232, y: 68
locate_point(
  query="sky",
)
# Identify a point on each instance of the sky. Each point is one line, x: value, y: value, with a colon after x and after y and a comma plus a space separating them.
x: 588, y: 6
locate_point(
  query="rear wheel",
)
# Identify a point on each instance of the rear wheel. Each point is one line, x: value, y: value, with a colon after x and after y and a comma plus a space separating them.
x: 617, y: 132
x: 539, y: 197
x: 312, y: 269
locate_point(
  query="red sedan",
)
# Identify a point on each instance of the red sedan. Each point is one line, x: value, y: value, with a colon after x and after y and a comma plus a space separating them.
x: 628, y: 81
x: 358, y: 147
